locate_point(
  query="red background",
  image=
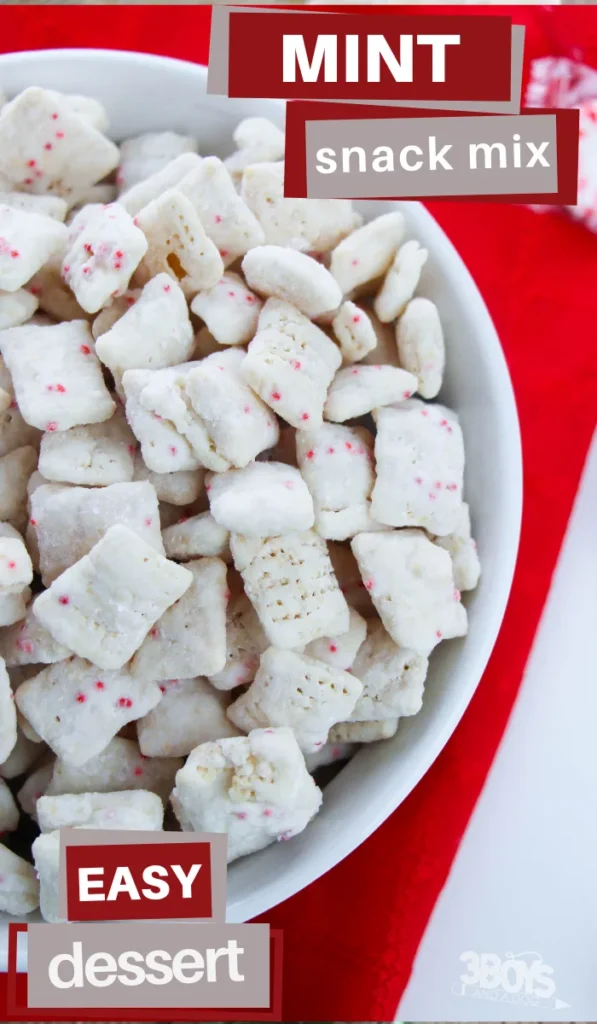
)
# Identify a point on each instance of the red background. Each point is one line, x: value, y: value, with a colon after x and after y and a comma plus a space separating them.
x: 350, y: 938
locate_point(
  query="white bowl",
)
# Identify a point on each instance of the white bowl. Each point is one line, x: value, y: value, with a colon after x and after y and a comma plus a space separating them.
x: 145, y: 93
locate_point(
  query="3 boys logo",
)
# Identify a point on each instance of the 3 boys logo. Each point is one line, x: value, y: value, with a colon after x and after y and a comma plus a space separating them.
x: 521, y: 978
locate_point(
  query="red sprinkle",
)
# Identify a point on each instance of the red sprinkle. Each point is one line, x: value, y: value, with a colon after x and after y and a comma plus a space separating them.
x: 296, y: 364
x: 247, y: 408
x: 310, y: 454
x: 267, y: 813
x: 355, y: 319
x: 305, y: 416
x: 51, y: 426
x: 276, y: 396
x: 59, y: 135
x: 217, y: 219
x: 80, y: 698
x: 333, y: 648
x: 125, y: 702
x: 12, y: 565
x: 148, y: 521
x: 54, y: 117
x: 166, y: 287
x: 438, y: 634
x: 348, y: 445
x: 99, y: 685
x: 369, y: 585
x: 138, y: 771
x: 33, y: 522
x: 15, y: 254
x: 172, y: 449
x: 48, y: 145
x: 85, y: 350
x: 31, y: 163
x: 154, y: 632
x: 331, y: 451
x: 64, y: 599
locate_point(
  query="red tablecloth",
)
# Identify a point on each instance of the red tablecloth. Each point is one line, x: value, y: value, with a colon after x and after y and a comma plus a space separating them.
x: 351, y: 937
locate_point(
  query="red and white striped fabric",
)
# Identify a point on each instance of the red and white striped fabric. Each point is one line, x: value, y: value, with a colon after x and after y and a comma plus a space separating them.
x: 351, y: 937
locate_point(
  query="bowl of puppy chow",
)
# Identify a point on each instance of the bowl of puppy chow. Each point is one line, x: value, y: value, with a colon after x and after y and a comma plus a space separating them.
x: 260, y: 483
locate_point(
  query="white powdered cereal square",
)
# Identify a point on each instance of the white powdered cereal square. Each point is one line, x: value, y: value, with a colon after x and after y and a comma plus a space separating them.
x: 255, y: 788
x: 400, y: 282
x: 257, y: 139
x: 19, y: 888
x: 100, y: 259
x: 130, y: 810
x: 105, y: 604
x: 367, y: 253
x: 421, y: 346
x: 226, y: 219
x: 419, y: 451
x: 463, y: 551
x: 337, y: 465
x: 245, y: 642
x: 78, y: 709
x: 16, y: 308
x: 15, y: 469
x: 145, y: 191
x: 178, y: 244
x: 190, y: 638
x: 95, y: 455
x: 69, y: 521
x: 266, y: 499
x: 8, y: 715
x: 411, y: 584
x: 163, y: 448
x: 155, y: 332
x: 293, y: 277
x: 121, y: 766
x: 190, y: 712
x: 393, y: 678
x: 363, y: 732
x: 27, y: 241
x: 57, y: 377
x: 356, y: 390
x: 290, y: 582
x: 16, y: 571
x: 230, y: 310
x: 194, y: 536
x: 340, y: 651
x: 239, y: 424
x: 14, y: 606
x: 354, y: 331
x: 28, y: 643
x: 46, y: 147
x: 294, y: 690
x: 47, y: 206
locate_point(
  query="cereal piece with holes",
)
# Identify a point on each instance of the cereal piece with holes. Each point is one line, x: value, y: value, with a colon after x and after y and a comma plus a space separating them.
x: 255, y: 788
x: 145, y: 155
x: 178, y: 244
x: 8, y: 715
x: 354, y: 331
x: 230, y: 310
x: 9, y: 812
x: 19, y: 888
x: 245, y: 642
x: 70, y: 520
x: 47, y: 206
x: 133, y: 809
x: 190, y: 638
x: 293, y: 277
x: 308, y: 225
x: 463, y: 551
x: 357, y: 390
x: 15, y: 469
x: 57, y: 377
x: 258, y: 140
x: 163, y: 448
x: 99, y: 260
x: 411, y: 584
x: 297, y: 691
x: 266, y: 499
x: 290, y: 364
x: 238, y: 423
x: 190, y: 712
x: 155, y: 331
x: 16, y: 308
x: 46, y: 147
x: 104, y: 605
x: 27, y: 241
x: 193, y: 536
x: 120, y: 766
x: 16, y: 571
x: 227, y: 220
x: 28, y: 643
x: 181, y: 488
x: 95, y: 455
x: 368, y: 252
x: 400, y: 282
x: 144, y: 192
x: 337, y: 465
x: 421, y: 347
x: 340, y: 651
x: 419, y: 451
x: 77, y: 709
x: 290, y: 582
x: 363, y: 732
x: 393, y: 678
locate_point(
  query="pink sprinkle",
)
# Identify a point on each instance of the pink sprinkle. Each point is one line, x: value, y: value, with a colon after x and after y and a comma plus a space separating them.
x: 333, y: 648
x: 217, y: 218
x: 406, y: 394
x: 456, y: 595
x: 424, y: 412
x: 183, y: 519
x: 268, y: 732
x: 319, y: 743
x: 54, y: 117
x: 125, y: 702
x: 166, y: 287
x: 88, y: 248
x: 99, y: 685
x: 136, y: 221
x: 31, y: 163
x: 51, y: 426
x: 231, y: 295
x: 59, y: 135
x: 85, y: 350
x: 240, y: 814
x: 64, y: 599
x: 348, y: 446
x: 305, y: 416
x: 355, y: 263
x: 12, y: 565
x: 33, y: 522
x: 48, y: 145
x: 331, y: 451
x: 267, y: 813
x: 131, y: 448
x: 432, y: 496
x: 250, y: 299
x: 438, y: 485
x: 28, y: 181
x: 172, y: 449
x: 227, y: 595
x: 15, y: 254
x: 162, y: 687
x: 443, y: 423
x: 138, y: 771
x: 356, y: 319
x: 66, y: 268
x: 310, y: 454
x: 289, y: 484
x: 86, y: 270
x: 223, y: 253
x: 247, y: 408
x: 148, y: 521
x: 355, y: 372
x: 118, y: 254
x: 369, y: 584
x: 438, y: 634
x: 154, y: 633
x: 296, y: 364
x: 451, y: 487
x: 419, y: 480
x: 276, y: 396
x: 117, y: 265
x: 80, y: 698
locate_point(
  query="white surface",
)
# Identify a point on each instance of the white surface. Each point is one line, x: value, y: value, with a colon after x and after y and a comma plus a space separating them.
x: 146, y: 93
x: 524, y: 878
